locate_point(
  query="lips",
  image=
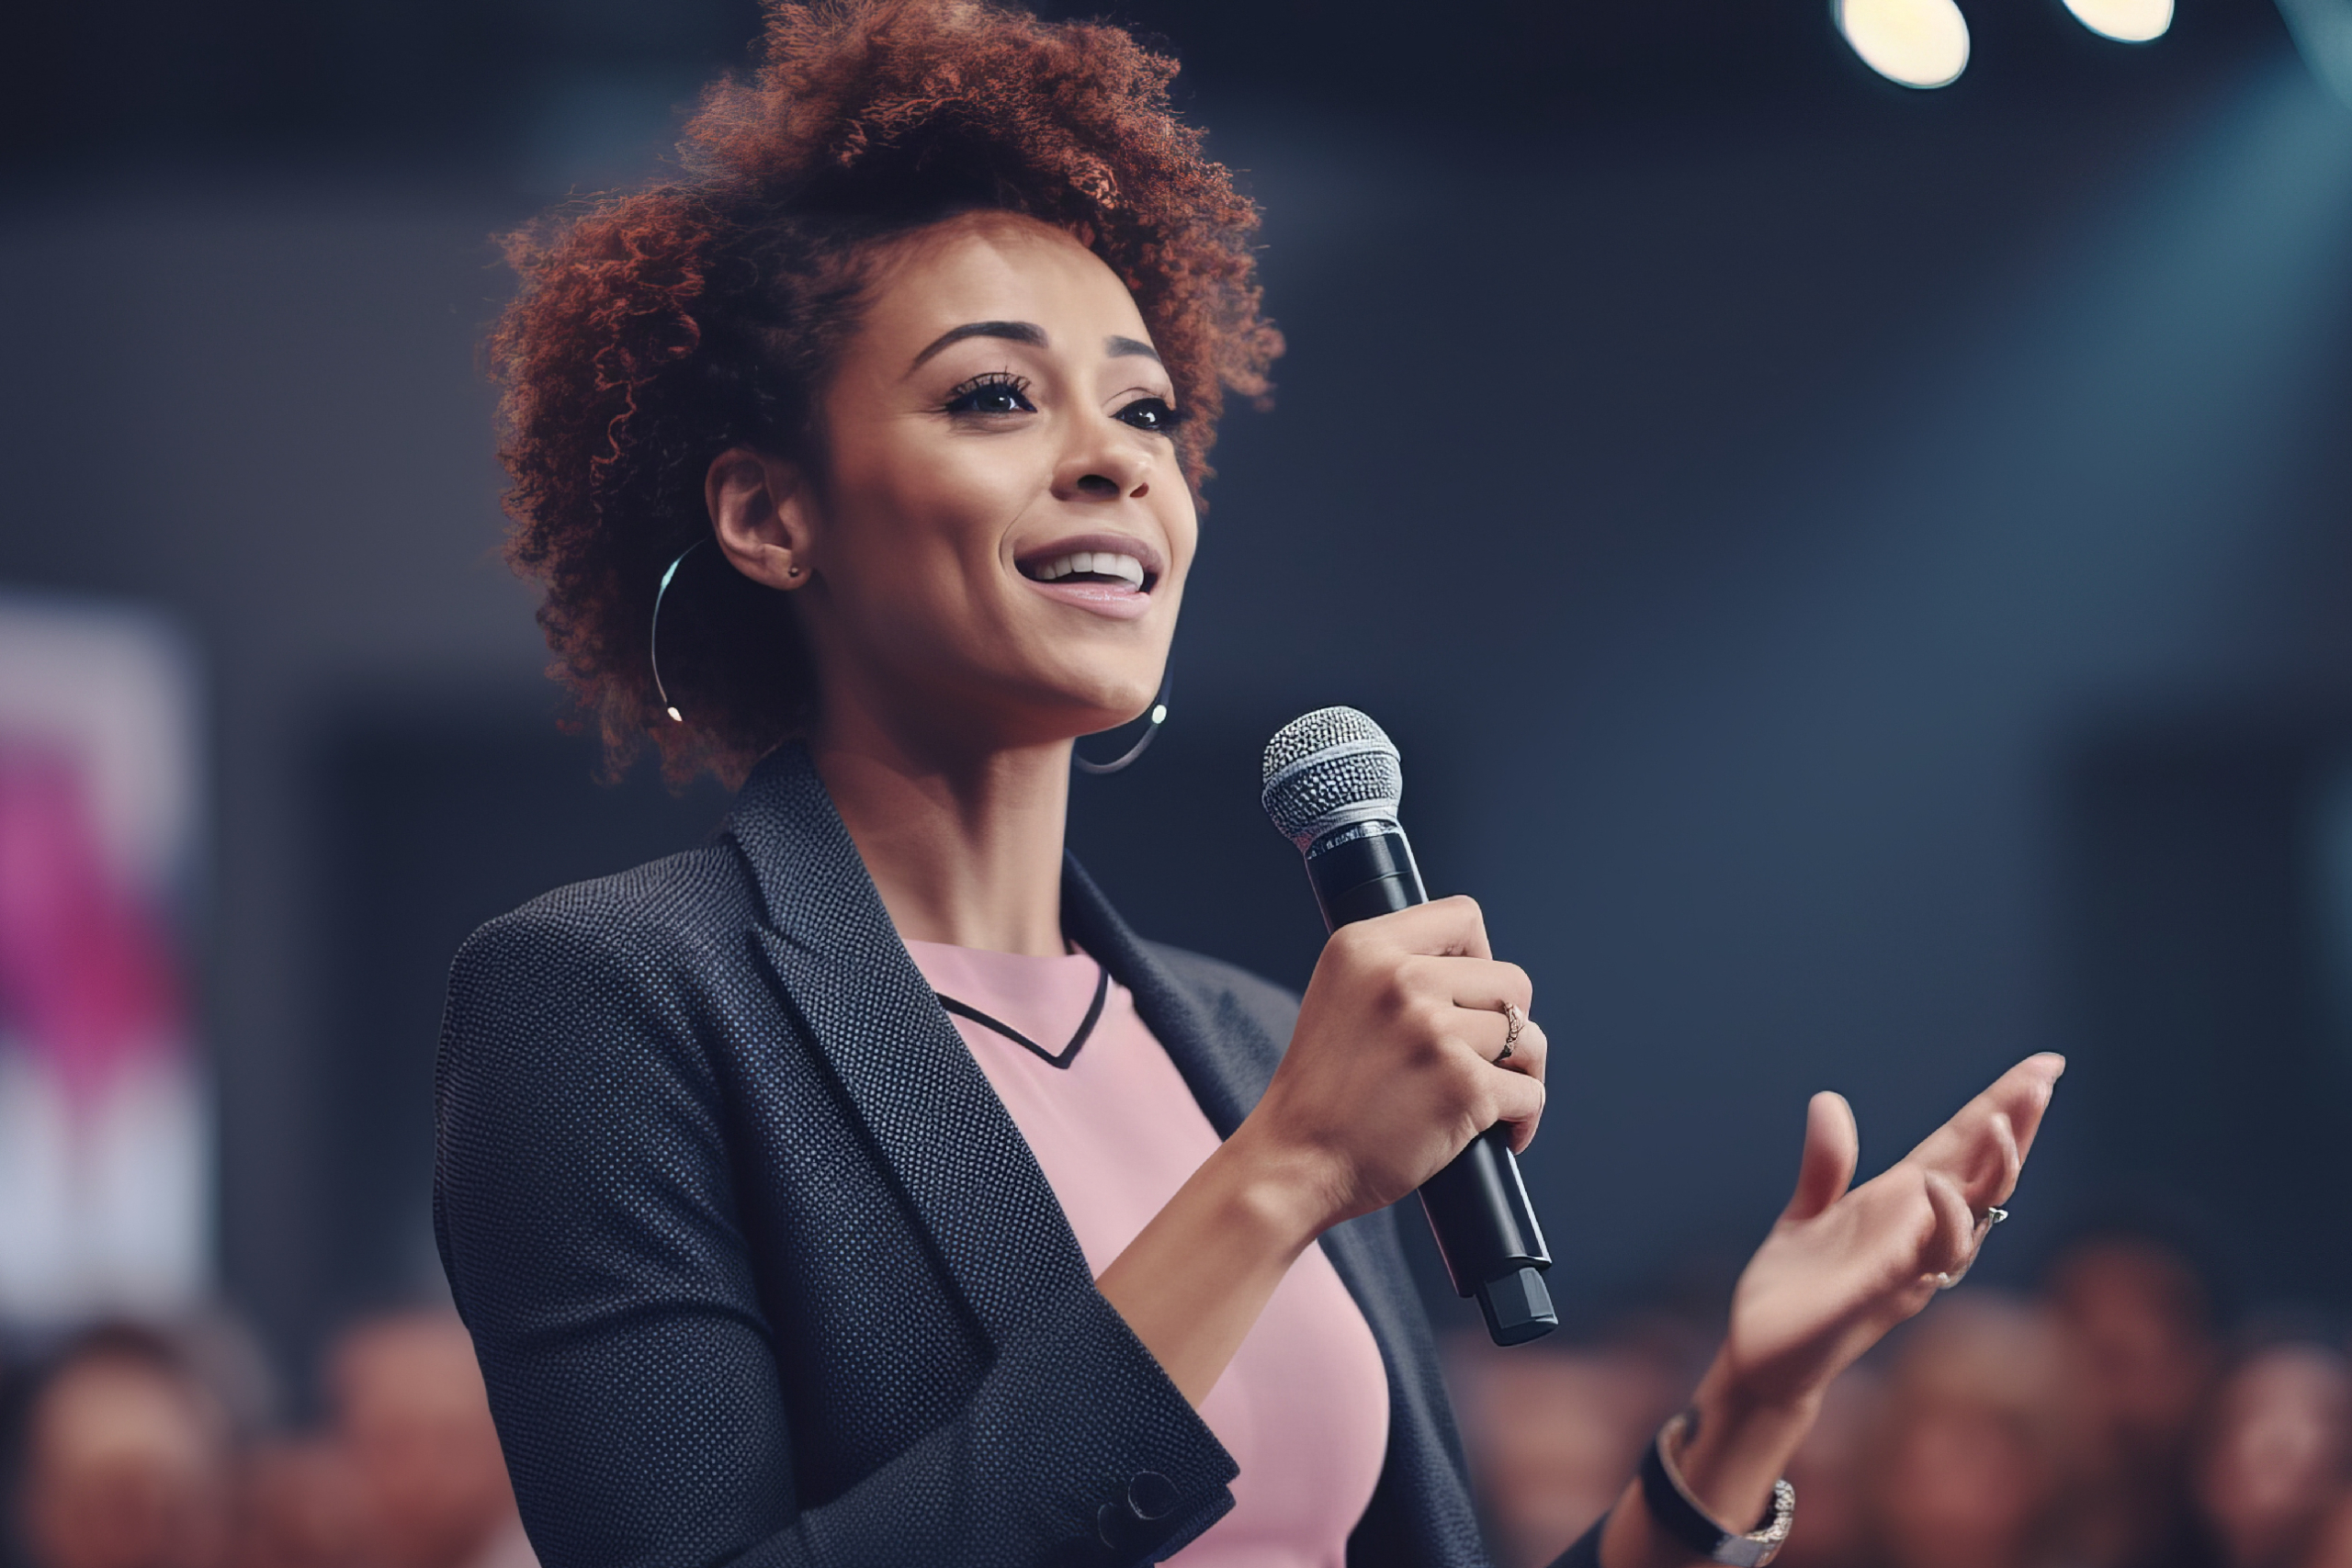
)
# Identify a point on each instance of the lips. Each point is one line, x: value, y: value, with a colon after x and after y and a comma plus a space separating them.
x: 1108, y: 574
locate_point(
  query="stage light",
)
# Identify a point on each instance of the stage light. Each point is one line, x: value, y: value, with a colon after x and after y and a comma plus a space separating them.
x: 2132, y: 21
x: 2323, y: 31
x: 1920, y: 43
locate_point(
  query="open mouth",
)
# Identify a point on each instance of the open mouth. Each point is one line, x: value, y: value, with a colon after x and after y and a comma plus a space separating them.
x: 1115, y: 569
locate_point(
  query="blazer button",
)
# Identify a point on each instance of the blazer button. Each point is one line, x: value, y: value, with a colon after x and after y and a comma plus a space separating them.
x: 1151, y: 1495
x: 1116, y: 1527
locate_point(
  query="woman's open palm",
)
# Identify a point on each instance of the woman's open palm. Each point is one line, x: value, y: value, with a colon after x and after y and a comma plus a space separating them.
x: 1840, y: 1267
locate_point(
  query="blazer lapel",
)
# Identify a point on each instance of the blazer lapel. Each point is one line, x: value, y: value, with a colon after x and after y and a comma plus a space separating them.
x: 968, y: 1176
x: 846, y: 978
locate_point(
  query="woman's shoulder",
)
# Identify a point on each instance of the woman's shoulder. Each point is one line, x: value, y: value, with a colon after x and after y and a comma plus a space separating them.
x: 602, y: 982
x: 680, y: 905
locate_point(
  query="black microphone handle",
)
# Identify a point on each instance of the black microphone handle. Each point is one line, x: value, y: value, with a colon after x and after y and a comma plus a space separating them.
x: 1478, y: 1206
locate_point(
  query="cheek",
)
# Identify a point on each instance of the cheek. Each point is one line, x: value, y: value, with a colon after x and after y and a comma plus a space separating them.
x: 1179, y: 521
x: 914, y: 533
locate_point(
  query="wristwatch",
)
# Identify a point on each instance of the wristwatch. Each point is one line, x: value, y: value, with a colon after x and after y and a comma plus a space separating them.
x: 1678, y: 1513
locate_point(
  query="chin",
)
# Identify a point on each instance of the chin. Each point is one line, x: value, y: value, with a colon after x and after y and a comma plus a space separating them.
x: 1090, y: 699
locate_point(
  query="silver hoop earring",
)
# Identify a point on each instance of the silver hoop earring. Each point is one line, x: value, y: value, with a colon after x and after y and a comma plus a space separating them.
x: 653, y: 640
x: 1154, y: 719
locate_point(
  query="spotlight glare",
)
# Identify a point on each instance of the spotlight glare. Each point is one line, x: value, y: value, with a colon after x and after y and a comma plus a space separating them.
x: 2132, y: 21
x: 1920, y: 43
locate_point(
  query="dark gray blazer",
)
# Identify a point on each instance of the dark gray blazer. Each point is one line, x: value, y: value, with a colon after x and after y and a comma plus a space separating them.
x: 760, y: 1269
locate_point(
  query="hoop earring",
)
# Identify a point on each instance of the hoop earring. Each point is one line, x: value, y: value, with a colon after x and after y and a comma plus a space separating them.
x: 653, y: 639
x: 1158, y: 717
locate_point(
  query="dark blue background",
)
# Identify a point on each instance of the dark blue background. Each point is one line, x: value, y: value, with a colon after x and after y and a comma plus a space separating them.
x: 1858, y: 576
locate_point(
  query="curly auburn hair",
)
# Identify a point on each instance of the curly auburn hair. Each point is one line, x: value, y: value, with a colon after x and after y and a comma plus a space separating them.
x: 656, y: 329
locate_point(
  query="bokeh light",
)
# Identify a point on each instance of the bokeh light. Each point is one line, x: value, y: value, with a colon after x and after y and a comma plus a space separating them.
x: 2132, y: 21
x: 1920, y: 43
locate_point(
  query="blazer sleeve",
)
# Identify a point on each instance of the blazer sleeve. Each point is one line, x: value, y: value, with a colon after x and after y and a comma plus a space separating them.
x: 584, y: 1208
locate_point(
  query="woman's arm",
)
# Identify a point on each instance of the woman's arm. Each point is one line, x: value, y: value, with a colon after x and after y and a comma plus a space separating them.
x: 587, y: 1203
x: 1839, y: 1268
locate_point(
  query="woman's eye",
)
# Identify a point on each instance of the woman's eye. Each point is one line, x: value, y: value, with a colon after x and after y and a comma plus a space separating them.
x: 991, y: 395
x: 1149, y: 413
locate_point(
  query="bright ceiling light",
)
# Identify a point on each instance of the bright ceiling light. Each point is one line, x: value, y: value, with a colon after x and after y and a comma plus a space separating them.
x: 1920, y: 43
x: 2134, y: 21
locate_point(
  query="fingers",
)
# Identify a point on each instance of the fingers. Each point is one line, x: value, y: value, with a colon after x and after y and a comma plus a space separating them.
x: 1517, y: 1105
x: 1832, y: 1146
x: 1482, y: 987
x: 1484, y: 984
x: 1982, y: 1149
x: 1529, y: 1053
x: 1443, y: 927
x: 2026, y: 1098
x: 1951, y: 1246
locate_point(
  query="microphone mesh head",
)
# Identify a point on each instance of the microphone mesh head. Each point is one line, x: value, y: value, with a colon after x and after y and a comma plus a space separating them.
x: 1328, y: 769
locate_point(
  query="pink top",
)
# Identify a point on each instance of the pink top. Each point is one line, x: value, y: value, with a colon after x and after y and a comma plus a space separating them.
x: 1304, y: 1406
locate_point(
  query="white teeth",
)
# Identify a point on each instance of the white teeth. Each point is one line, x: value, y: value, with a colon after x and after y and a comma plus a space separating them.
x: 1098, y: 563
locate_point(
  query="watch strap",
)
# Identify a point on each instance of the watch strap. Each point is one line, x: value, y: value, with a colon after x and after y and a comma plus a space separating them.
x: 1678, y: 1513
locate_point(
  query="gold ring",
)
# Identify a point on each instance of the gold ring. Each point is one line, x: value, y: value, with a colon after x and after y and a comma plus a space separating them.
x: 1513, y: 1022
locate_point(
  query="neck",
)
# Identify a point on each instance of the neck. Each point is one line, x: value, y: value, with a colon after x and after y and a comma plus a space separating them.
x: 965, y: 844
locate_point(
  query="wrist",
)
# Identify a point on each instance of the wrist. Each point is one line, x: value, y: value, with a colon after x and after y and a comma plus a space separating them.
x: 1277, y: 1194
x: 1738, y: 1443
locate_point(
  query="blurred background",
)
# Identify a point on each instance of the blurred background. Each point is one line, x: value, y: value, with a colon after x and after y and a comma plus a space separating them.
x: 1858, y: 574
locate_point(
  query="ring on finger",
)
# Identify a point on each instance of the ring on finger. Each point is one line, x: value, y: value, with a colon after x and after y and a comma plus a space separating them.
x: 1514, y: 1021
x: 1992, y: 1216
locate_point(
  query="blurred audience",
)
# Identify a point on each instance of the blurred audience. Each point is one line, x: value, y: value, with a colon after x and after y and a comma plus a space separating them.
x: 2272, y: 1460
x: 1966, y: 1465
x: 2094, y: 1427
x: 1833, y: 1527
x: 297, y: 1509
x: 1554, y: 1434
x: 127, y: 1461
x: 2332, y: 1540
x: 127, y: 1458
x: 413, y: 1422
x: 2139, y: 1329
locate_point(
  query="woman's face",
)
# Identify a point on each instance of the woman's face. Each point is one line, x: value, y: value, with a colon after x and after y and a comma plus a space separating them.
x: 996, y: 554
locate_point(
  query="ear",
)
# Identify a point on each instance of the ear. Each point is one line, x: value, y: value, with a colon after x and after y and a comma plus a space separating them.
x: 760, y: 513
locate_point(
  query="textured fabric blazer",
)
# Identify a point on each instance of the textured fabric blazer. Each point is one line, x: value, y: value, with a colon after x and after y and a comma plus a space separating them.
x: 760, y: 1269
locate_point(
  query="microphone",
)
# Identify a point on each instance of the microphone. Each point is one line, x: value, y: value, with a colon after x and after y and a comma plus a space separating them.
x: 1332, y: 784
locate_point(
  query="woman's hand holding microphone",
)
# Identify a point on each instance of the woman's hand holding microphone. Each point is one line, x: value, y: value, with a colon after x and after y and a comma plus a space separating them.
x: 1392, y: 1069
x: 1398, y: 1061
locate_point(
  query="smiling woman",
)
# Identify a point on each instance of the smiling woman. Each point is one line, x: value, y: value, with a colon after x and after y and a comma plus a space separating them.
x: 718, y: 307
x: 857, y: 1188
x: 1002, y: 527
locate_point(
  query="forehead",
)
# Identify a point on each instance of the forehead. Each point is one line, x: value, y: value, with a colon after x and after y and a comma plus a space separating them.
x: 997, y: 268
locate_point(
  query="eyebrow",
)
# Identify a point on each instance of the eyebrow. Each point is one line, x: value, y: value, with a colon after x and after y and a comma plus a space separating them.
x: 1031, y: 334
x: 1011, y: 331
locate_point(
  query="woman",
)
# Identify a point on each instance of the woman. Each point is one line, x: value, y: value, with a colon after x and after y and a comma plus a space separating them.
x: 900, y: 394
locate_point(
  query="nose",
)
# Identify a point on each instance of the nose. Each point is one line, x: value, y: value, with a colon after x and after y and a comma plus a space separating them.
x: 1102, y: 462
